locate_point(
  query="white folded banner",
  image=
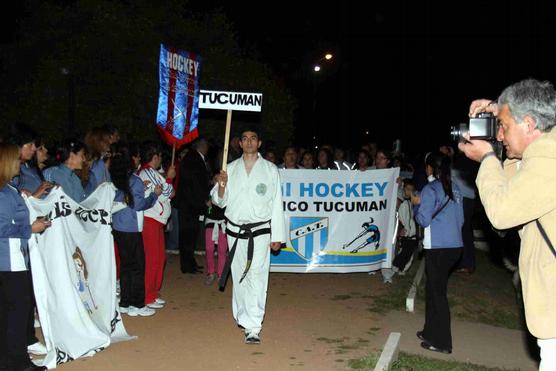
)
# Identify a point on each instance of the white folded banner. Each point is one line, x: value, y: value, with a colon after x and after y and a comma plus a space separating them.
x: 74, y: 275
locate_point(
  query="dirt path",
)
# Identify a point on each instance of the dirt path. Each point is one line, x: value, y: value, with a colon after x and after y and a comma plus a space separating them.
x: 313, y: 322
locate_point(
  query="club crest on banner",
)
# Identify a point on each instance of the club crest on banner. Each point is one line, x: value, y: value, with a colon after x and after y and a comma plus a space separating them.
x: 308, y: 235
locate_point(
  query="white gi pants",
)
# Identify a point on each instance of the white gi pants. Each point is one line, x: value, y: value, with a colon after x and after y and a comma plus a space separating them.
x: 548, y: 354
x: 249, y: 296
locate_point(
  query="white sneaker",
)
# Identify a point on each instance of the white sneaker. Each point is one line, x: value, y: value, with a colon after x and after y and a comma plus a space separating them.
x: 37, y: 349
x: 160, y: 301
x: 37, y: 324
x: 155, y: 305
x: 124, y: 309
x: 143, y: 312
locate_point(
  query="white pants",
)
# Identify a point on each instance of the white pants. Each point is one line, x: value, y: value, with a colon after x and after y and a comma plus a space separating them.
x: 548, y: 354
x: 249, y: 296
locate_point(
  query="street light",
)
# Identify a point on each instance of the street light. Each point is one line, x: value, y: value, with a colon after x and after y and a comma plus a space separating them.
x: 326, y: 57
x: 317, y: 68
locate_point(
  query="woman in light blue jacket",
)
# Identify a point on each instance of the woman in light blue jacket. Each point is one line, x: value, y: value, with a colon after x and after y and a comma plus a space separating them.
x: 16, y: 296
x: 439, y: 209
x: 127, y: 226
x: 70, y: 155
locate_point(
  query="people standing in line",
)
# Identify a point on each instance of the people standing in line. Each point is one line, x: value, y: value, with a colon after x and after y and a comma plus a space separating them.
x: 29, y: 180
x: 155, y: 219
x: 340, y: 161
x: 215, y: 234
x: 70, y: 156
x: 192, y: 201
x: 308, y: 160
x: 40, y: 159
x: 16, y: 293
x: 98, y: 146
x: 127, y: 226
x: 407, y: 231
x: 290, y: 159
x: 270, y: 155
x: 439, y: 209
x: 324, y: 159
x: 382, y: 160
x: 363, y: 161
x: 112, y: 133
x: 251, y: 192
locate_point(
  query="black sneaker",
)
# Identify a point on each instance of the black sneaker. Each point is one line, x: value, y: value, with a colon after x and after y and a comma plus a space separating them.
x: 252, y: 339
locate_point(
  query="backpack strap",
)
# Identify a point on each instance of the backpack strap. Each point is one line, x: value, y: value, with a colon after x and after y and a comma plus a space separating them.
x: 546, y: 239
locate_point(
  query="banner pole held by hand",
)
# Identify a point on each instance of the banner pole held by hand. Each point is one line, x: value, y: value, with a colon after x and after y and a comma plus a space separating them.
x: 173, y: 154
x: 227, y: 140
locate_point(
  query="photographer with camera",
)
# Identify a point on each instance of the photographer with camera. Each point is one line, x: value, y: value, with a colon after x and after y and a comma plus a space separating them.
x: 526, y: 113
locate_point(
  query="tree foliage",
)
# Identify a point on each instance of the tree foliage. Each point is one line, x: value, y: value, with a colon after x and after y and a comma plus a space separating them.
x: 111, y: 50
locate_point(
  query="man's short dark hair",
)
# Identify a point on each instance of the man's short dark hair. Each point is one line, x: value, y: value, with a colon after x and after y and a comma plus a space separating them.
x: 252, y: 129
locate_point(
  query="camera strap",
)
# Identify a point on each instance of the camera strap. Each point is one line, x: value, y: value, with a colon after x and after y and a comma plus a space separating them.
x: 546, y: 239
x: 441, y: 208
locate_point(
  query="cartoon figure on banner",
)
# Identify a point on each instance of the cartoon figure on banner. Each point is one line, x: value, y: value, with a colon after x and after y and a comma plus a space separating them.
x: 368, y: 228
x: 83, y: 283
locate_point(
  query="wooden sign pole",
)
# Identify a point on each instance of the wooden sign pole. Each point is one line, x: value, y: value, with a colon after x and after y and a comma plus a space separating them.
x: 227, y: 140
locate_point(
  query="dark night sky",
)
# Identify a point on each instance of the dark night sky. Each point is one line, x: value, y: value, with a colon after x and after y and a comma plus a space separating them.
x: 402, y: 69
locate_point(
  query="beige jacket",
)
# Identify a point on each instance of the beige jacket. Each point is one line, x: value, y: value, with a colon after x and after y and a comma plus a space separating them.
x: 519, y: 200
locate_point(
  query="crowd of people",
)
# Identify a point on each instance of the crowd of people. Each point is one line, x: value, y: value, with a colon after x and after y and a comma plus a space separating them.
x: 241, y: 208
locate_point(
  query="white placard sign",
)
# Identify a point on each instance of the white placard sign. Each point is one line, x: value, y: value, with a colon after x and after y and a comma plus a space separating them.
x: 230, y: 100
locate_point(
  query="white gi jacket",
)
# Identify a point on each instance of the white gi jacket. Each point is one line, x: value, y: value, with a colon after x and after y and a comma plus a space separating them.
x: 255, y: 197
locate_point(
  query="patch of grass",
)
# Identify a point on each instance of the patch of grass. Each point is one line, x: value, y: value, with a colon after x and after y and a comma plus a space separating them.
x: 341, y: 297
x: 410, y: 362
x: 365, y: 363
x: 339, y: 360
x: 256, y: 353
x: 330, y: 341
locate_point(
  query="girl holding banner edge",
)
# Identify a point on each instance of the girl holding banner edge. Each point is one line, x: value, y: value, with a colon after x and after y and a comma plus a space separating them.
x: 15, y: 280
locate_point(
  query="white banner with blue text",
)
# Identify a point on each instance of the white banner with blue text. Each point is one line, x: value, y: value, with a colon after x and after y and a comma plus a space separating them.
x: 337, y: 221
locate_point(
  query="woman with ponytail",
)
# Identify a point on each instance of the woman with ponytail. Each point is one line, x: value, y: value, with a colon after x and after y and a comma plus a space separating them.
x: 439, y: 209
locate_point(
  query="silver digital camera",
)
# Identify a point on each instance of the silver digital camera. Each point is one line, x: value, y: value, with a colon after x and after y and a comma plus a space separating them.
x: 483, y: 127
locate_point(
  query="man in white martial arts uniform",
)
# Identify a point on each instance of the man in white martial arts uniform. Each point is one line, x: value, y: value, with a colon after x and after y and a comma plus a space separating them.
x: 250, y: 191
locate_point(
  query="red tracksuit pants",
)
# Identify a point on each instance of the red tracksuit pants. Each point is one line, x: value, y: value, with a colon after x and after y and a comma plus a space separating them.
x: 155, y: 257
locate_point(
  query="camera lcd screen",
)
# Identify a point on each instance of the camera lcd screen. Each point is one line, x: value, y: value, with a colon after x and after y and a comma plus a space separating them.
x: 478, y: 127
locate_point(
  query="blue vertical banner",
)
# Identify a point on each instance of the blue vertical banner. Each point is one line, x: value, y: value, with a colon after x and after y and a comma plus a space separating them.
x: 178, y: 100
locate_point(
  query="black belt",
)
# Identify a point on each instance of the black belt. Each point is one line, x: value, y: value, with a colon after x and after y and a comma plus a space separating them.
x: 245, y: 232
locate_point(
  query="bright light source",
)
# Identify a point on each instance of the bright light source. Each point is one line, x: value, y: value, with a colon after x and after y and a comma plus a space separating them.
x: 367, y: 132
x: 316, y: 68
x: 328, y: 56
